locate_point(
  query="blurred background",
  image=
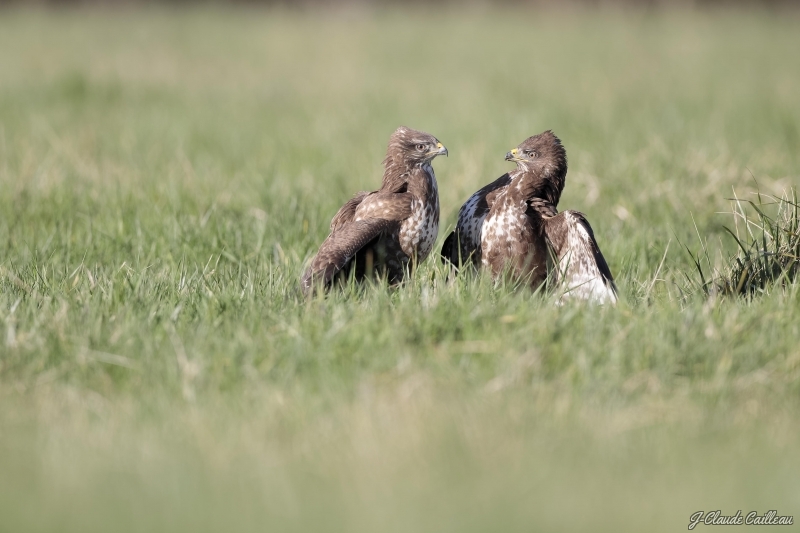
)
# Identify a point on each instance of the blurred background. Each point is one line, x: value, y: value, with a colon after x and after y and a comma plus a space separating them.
x: 384, y: 3
x: 166, y: 170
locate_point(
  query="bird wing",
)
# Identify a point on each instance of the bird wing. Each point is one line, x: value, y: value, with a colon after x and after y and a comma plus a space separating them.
x: 465, y: 239
x: 581, y: 268
x: 450, y: 248
x: 361, y: 220
x: 340, y: 248
x: 395, y: 182
x: 348, y: 210
x: 384, y: 205
x: 484, y: 197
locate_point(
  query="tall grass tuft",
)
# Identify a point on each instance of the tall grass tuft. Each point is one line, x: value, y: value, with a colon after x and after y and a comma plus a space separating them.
x: 767, y: 235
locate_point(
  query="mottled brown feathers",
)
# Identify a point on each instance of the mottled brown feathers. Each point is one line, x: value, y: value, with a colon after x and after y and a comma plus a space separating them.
x: 402, y: 156
x: 537, y: 180
x: 385, y: 205
x: 512, y: 240
x: 387, y: 230
x: 462, y: 246
x: 581, y: 270
x: 544, y: 175
x: 512, y: 225
x: 347, y: 211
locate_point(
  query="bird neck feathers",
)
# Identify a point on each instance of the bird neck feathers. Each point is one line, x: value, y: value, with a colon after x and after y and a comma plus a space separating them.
x: 398, y: 173
x: 544, y: 183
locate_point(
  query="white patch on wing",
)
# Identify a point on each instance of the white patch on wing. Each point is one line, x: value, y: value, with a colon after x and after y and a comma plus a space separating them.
x: 578, y: 272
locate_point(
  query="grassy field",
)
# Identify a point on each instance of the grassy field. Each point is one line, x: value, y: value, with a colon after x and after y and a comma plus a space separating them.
x: 165, y: 175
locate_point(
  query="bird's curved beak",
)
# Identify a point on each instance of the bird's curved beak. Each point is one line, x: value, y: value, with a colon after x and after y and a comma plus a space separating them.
x: 440, y: 150
x: 512, y: 155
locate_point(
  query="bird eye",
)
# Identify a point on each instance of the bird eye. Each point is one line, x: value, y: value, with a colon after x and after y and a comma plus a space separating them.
x: 420, y: 147
x: 530, y: 154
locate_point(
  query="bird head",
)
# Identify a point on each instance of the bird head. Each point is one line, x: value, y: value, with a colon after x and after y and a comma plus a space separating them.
x: 411, y: 147
x: 542, y: 162
x: 542, y: 152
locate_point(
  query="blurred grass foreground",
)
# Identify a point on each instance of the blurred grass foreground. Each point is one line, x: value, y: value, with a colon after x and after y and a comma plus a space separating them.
x: 165, y: 173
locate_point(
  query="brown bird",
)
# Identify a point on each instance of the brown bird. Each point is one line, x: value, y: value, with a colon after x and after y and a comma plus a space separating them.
x: 389, y: 230
x: 513, y: 225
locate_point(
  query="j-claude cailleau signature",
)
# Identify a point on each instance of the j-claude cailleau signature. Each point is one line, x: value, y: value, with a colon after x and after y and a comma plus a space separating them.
x: 716, y: 518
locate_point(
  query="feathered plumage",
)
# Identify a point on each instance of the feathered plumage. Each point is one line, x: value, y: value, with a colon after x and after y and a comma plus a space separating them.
x: 537, y: 186
x: 389, y: 229
x: 580, y: 270
x: 513, y: 225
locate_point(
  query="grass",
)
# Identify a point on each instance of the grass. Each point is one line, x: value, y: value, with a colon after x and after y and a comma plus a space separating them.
x: 769, y: 248
x: 164, y: 175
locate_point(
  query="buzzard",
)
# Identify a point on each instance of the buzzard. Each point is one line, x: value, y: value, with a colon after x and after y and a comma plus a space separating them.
x: 385, y: 231
x: 513, y: 225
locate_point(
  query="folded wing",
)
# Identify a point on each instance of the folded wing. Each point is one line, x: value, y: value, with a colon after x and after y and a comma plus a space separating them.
x: 360, y: 223
x: 581, y: 271
x: 347, y: 212
x: 384, y: 205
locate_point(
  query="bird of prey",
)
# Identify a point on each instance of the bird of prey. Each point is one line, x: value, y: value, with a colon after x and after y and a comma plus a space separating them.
x: 513, y: 225
x: 389, y: 230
